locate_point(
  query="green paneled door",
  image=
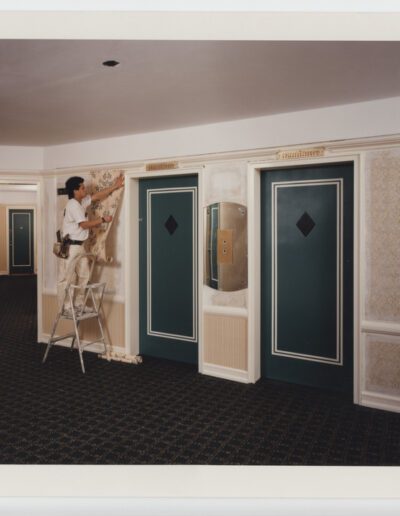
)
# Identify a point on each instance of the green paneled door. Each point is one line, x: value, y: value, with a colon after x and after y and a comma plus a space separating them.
x: 307, y: 275
x: 168, y: 268
x: 21, y: 247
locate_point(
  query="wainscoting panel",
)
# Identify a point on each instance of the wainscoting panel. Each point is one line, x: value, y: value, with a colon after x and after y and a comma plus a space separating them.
x: 113, y: 321
x: 382, y: 364
x: 225, y: 341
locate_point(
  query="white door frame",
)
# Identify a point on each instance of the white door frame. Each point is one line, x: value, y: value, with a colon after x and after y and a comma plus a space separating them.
x: 21, y: 207
x: 131, y: 217
x: 254, y: 242
x: 16, y: 179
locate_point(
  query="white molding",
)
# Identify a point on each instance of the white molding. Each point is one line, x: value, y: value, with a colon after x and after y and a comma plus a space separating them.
x: 131, y: 215
x: 381, y: 327
x: 200, y: 271
x: 227, y: 373
x: 254, y: 273
x: 233, y: 311
x: 35, y: 226
x: 254, y: 255
x: 136, y: 169
x: 358, y: 256
x: 30, y: 264
x: 275, y: 186
x: 39, y: 231
x: 149, y: 195
x: 380, y: 401
x: 19, y: 177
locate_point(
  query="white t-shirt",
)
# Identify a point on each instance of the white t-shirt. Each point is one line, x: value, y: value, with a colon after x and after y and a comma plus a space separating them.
x: 75, y: 212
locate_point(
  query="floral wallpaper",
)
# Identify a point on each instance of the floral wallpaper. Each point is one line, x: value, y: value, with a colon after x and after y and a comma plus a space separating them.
x: 98, y: 236
x: 382, y: 235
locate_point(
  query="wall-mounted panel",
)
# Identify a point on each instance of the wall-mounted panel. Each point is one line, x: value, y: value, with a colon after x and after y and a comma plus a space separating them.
x: 382, y: 364
x: 225, y: 341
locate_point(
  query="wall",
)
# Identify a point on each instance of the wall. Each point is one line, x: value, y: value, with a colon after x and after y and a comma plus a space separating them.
x: 364, y: 119
x: 226, y: 180
x: 225, y: 313
x: 381, y: 279
x: 21, y: 159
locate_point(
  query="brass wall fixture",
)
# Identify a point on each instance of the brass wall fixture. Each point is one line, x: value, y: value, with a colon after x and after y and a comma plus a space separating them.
x: 225, y: 260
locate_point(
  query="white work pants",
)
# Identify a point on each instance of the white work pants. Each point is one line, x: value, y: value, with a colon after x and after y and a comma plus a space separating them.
x: 72, y: 271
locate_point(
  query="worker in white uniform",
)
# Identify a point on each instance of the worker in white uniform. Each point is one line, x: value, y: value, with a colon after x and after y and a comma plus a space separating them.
x: 77, y: 225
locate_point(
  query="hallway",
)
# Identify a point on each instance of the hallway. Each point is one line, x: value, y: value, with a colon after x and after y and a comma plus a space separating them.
x: 164, y: 412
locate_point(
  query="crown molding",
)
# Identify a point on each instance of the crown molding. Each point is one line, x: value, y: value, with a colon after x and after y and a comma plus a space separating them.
x: 249, y: 155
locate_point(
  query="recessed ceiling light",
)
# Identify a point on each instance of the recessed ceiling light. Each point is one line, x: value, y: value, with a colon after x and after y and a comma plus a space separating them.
x: 111, y: 63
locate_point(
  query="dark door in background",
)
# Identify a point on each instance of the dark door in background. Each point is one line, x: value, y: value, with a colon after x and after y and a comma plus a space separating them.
x: 21, y: 243
x: 168, y: 268
x: 307, y: 275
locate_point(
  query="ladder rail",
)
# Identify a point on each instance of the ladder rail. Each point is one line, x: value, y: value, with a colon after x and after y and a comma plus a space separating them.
x: 93, y: 292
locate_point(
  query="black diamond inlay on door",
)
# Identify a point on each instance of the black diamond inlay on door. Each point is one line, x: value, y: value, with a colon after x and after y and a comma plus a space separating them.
x: 305, y: 224
x: 171, y: 225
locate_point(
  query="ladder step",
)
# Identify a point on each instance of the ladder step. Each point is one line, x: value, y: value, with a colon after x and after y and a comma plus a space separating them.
x: 67, y: 336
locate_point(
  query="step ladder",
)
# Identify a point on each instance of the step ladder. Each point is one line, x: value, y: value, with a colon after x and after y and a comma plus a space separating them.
x: 93, y: 292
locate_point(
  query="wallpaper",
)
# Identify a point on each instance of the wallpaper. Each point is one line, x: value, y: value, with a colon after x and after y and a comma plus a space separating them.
x: 382, y: 235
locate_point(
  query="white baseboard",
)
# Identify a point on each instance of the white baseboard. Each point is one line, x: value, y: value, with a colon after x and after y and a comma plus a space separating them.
x: 94, y: 348
x: 227, y: 373
x: 380, y: 401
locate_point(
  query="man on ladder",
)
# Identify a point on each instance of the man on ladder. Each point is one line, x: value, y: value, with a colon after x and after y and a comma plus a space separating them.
x: 75, y: 271
x: 77, y: 225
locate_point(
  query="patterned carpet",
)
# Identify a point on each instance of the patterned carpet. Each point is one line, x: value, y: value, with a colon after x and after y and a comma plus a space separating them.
x: 164, y: 412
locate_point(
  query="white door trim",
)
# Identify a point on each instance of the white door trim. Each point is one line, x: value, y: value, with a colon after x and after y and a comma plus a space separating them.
x: 131, y: 214
x: 38, y: 232
x: 21, y: 207
x: 254, y: 229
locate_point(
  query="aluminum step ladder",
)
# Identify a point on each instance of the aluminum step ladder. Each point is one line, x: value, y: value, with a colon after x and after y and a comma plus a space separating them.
x: 93, y: 292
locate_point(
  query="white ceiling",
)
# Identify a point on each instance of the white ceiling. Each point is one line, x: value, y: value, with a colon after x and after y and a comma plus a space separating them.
x: 54, y: 92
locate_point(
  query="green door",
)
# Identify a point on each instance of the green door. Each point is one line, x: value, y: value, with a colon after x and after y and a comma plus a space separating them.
x: 307, y: 275
x: 168, y: 268
x: 21, y: 258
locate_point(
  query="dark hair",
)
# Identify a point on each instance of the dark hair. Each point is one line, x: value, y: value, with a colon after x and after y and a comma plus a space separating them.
x: 73, y: 183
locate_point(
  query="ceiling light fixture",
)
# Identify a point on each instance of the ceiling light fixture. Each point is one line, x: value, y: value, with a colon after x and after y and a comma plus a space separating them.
x: 111, y: 63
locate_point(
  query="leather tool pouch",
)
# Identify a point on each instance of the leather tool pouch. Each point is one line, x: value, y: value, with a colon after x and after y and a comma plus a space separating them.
x: 61, y: 247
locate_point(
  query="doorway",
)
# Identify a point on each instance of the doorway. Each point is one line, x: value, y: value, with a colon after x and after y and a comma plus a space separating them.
x: 21, y: 241
x: 307, y: 275
x: 168, y: 268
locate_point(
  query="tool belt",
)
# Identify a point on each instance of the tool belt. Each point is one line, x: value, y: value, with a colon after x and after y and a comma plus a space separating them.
x: 61, y: 247
x: 74, y: 242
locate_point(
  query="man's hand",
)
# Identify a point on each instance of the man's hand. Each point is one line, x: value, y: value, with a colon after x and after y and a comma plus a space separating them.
x: 102, y: 194
x: 119, y: 182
